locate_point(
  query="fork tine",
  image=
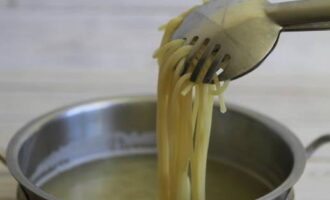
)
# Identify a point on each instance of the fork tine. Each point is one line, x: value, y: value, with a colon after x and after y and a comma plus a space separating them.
x: 201, y: 62
x: 214, y: 67
x: 196, y: 45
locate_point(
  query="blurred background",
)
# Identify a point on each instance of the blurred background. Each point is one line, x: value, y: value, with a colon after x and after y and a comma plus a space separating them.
x: 57, y: 52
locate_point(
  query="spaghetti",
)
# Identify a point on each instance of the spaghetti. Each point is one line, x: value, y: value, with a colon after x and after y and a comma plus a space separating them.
x: 184, y: 114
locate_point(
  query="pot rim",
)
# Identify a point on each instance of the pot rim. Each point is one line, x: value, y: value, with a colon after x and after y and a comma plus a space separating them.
x: 30, y: 128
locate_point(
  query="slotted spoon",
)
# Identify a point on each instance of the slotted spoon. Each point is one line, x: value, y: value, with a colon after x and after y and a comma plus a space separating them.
x: 245, y: 31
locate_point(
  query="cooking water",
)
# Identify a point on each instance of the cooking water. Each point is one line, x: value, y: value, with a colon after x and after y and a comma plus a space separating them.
x: 134, y: 177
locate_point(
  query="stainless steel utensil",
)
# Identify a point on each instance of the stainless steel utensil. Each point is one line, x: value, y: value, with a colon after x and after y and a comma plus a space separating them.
x: 87, y: 131
x: 246, y: 31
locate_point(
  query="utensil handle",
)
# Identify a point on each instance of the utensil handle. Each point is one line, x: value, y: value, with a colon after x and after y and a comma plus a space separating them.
x: 310, y: 149
x: 2, y: 156
x: 316, y: 144
x: 300, y: 15
x: 21, y: 192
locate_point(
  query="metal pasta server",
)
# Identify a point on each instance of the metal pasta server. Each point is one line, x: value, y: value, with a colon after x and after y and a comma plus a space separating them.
x: 245, y: 31
x: 86, y: 132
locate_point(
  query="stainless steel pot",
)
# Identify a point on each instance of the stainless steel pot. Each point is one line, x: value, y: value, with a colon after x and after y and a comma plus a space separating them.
x: 120, y: 125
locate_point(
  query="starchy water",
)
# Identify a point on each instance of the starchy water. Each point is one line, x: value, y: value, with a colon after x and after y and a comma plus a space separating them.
x: 134, y: 177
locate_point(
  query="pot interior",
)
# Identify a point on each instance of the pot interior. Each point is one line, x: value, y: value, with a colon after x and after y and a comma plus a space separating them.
x: 134, y: 177
x: 111, y: 145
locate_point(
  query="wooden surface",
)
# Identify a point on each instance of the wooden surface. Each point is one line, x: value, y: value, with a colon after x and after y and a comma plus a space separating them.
x: 54, y: 53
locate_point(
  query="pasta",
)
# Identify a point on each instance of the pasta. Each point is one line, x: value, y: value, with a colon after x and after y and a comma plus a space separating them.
x: 184, y: 114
